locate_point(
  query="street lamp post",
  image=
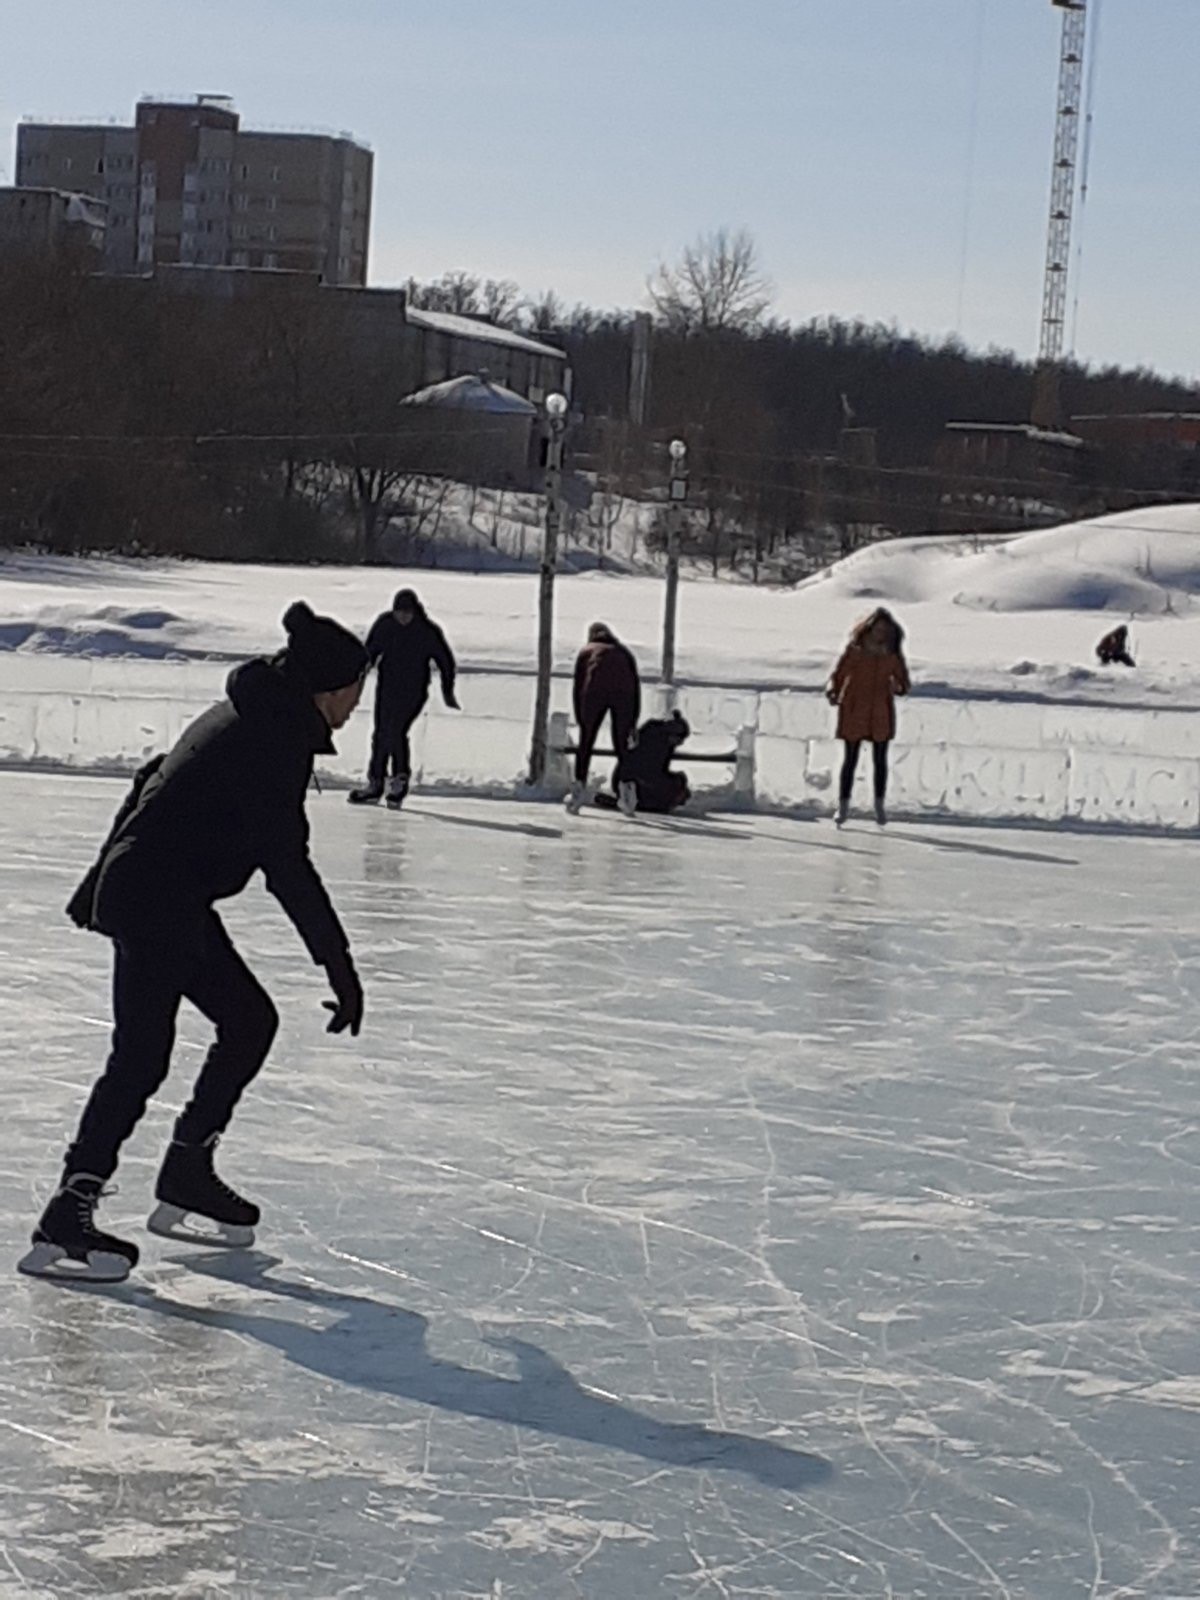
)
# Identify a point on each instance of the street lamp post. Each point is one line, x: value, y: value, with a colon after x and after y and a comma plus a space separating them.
x: 675, y: 505
x: 556, y: 417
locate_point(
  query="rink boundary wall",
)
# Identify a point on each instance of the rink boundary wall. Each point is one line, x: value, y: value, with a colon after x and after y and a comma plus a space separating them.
x: 970, y: 760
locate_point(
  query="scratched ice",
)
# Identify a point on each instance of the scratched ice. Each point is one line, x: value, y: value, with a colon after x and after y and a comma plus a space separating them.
x: 715, y: 1207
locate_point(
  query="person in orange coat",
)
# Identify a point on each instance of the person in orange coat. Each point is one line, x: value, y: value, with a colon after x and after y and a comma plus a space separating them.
x: 868, y: 677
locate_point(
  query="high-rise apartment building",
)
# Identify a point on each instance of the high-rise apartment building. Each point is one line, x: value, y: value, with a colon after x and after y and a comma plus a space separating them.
x: 188, y: 185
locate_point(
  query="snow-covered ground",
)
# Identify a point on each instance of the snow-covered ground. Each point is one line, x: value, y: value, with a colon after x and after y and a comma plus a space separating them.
x: 1010, y: 616
x: 1010, y: 718
x: 721, y: 1207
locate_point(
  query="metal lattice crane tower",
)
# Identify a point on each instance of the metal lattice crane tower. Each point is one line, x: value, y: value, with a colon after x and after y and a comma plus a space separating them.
x: 1046, y: 403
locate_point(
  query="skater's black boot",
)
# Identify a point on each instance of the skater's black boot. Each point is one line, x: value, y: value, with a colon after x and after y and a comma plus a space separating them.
x: 68, y: 1245
x: 196, y: 1206
x: 398, y: 791
x: 369, y: 795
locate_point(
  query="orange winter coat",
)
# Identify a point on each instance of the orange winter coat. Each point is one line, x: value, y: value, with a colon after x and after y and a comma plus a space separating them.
x: 863, y: 688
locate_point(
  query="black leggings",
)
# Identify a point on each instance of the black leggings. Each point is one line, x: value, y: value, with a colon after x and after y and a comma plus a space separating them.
x: 148, y: 985
x: 879, y: 751
x: 591, y: 719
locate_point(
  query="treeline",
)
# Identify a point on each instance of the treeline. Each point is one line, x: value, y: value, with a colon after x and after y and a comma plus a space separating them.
x: 137, y: 421
x: 237, y: 428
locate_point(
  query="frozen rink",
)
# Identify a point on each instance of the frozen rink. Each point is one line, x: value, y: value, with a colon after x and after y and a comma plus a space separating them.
x: 711, y: 1207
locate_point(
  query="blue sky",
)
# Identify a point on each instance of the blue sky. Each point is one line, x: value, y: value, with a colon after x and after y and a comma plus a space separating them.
x: 891, y: 157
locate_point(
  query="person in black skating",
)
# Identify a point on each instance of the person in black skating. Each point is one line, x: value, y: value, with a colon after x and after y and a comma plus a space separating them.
x: 1113, y: 649
x: 226, y: 801
x: 646, y: 765
x: 606, y: 685
x: 406, y: 644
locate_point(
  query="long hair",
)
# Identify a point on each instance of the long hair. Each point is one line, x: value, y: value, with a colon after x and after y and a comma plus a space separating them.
x: 860, y: 630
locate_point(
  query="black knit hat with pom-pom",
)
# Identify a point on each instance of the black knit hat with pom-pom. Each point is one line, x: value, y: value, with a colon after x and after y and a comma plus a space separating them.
x: 330, y: 656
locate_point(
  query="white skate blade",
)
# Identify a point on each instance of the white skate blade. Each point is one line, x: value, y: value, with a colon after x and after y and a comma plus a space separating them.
x: 190, y: 1227
x: 52, y: 1261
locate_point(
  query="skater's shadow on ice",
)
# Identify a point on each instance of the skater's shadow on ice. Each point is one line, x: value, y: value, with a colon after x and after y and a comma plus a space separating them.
x: 382, y: 1347
x: 963, y: 847
x: 531, y: 829
x: 697, y: 829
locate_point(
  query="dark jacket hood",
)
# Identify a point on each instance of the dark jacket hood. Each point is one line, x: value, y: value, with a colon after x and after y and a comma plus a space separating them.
x: 408, y: 600
x: 276, y: 691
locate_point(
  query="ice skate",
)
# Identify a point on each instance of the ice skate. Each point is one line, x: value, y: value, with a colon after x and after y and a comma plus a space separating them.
x: 66, y: 1243
x: 627, y: 799
x: 369, y: 795
x: 575, y: 798
x: 197, y: 1207
x: 398, y: 791
x: 842, y: 812
x: 880, y: 813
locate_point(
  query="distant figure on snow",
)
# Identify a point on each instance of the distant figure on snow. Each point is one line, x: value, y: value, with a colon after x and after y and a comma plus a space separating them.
x: 227, y: 801
x: 871, y: 673
x: 1113, y: 649
x: 646, y: 766
x: 606, y: 685
x: 406, y: 644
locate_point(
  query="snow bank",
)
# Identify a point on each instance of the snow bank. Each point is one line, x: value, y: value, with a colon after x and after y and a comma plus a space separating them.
x: 102, y: 662
x: 1144, y: 562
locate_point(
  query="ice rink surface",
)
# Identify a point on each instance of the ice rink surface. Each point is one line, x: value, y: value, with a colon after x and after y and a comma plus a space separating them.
x: 712, y: 1207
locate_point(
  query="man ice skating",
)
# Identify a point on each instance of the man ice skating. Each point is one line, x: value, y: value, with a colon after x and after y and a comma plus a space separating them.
x: 606, y: 685
x: 227, y: 801
x: 406, y: 644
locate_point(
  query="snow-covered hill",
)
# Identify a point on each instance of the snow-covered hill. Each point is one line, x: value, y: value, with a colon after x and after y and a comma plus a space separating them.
x: 1002, y: 616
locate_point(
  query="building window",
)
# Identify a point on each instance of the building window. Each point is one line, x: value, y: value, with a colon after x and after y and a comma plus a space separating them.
x: 271, y: 234
x: 274, y: 174
x: 66, y: 164
x: 240, y: 231
x: 241, y: 202
x: 99, y: 163
x: 272, y: 203
x: 241, y: 258
x: 270, y: 259
x: 243, y: 171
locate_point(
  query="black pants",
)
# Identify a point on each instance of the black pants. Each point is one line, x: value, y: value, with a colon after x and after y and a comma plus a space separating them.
x: 389, y: 738
x: 879, y: 751
x: 148, y: 985
x: 591, y: 720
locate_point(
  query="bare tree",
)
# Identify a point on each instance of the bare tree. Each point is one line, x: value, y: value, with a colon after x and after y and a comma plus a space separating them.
x: 464, y: 294
x: 500, y: 301
x: 716, y: 284
x: 544, y: 312
x: 457, y: 292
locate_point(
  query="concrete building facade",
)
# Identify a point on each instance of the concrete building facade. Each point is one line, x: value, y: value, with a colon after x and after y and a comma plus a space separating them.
x: 45, y: 221
x: 187, y: 185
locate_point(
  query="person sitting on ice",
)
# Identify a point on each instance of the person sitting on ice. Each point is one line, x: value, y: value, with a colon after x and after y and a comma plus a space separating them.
x: 643, y: 779
x: 225, y: 802
x: 1113, y: 649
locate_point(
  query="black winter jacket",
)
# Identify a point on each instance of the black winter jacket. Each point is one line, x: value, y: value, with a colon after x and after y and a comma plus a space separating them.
x: 227, y: 801
x: 406, y: 653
